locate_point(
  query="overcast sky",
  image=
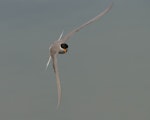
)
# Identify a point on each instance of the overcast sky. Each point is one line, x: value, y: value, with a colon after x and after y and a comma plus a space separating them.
x: 105, y: 75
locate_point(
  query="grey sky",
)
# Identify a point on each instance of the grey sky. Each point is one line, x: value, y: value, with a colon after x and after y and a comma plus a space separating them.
x: 104, y: 76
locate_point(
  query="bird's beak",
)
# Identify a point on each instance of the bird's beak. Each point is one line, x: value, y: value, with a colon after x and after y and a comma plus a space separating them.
x: 65, y: 50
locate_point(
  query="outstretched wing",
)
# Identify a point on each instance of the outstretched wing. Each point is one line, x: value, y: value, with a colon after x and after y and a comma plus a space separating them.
x: 66, y: 37
x: 55, y: 66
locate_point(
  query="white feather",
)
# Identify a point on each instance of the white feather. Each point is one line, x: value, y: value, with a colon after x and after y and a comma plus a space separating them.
x: 61, y: 35
x: 48, y: 62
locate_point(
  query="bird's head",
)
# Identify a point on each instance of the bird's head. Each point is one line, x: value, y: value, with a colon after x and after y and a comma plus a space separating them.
x: 64, y: 48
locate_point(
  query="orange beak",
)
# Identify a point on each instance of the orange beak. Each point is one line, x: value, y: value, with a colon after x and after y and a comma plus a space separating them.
x: 65, y: 50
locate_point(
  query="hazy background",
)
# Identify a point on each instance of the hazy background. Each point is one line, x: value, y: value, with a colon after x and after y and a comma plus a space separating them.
x: 105, y: 75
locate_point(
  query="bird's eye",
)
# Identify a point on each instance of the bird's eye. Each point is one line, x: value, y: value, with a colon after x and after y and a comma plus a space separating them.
x: 64, y: 45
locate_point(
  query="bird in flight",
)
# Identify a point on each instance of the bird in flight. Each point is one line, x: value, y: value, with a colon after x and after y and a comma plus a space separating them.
x: 60, y: 47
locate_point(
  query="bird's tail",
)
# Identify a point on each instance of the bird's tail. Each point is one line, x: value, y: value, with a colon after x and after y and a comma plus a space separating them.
x: 48, y: 62
x: 61, y: 35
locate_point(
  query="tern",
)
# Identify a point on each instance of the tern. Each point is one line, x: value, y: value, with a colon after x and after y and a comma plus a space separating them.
x: 60, y: 47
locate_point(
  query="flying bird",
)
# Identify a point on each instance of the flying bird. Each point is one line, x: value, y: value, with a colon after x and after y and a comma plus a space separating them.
x: 60, y: 47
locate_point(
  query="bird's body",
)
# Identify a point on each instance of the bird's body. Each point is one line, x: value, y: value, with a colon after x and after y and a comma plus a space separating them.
x: 60, y: 47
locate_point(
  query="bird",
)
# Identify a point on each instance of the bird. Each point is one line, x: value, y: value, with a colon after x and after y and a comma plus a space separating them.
x: 61, y: 47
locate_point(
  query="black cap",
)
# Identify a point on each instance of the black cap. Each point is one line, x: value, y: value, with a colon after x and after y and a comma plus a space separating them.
x: 64, y: 46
